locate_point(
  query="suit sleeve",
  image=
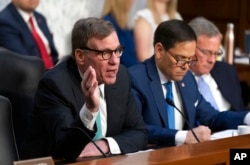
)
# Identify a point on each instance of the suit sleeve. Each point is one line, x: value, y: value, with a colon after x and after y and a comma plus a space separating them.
x: 54, y: 111
x: 11, y: 38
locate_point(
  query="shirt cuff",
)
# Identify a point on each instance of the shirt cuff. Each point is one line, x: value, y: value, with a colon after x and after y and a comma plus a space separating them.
x: 180, y: 137
x: 113, y: 146
x: 247, y: 119
x: 87, y: 117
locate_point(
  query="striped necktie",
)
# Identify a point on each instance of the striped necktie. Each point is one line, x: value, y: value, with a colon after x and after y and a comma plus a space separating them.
x: 206, y: 92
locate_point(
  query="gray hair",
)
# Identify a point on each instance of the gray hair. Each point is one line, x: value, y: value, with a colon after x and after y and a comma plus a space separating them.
x: 87, y: 28
x: 203, y: 26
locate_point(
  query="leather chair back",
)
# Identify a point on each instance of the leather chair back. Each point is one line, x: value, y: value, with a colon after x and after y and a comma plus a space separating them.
x: 19, y: 78
x: 8, y: 148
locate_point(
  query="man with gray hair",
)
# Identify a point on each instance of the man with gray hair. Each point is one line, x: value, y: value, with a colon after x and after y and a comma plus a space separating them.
x: 221, y: 78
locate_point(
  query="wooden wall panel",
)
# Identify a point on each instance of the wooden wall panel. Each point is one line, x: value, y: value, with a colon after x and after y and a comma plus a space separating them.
x: 215, y: 9
x: 220, y: 12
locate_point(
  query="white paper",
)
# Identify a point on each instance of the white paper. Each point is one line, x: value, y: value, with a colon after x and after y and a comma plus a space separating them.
x: 224, y: 134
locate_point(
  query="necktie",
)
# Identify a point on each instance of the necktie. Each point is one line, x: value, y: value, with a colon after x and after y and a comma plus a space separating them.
x: 98, y: 134
x: 206, y: 92
x: 169, y: 108
x: 43, y: 52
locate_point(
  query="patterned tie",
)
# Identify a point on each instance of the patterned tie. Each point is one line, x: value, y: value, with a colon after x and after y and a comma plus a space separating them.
x: 98, y: 134
x: 48, y: 63
x: 206, y: 92
x: 169, y: 108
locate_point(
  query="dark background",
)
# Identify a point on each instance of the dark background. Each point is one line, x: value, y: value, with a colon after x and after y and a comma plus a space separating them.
x: 220, y: 12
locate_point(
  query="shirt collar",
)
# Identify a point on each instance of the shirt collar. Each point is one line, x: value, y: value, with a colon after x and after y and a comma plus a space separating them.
x: 24, y: 15
x: 204, y: 76
x: 163, y: 78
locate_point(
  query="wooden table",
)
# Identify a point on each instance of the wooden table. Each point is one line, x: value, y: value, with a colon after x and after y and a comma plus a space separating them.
x: 206, y: 153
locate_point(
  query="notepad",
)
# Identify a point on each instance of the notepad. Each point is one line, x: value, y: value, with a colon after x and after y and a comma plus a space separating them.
x: 224, y: 134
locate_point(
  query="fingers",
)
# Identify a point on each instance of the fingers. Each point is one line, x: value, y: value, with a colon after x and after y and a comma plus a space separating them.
x: 91, y: 150
x: 89, y: 79
x: 90, y: 89
x: 205, y: 130
x: 202, y: 132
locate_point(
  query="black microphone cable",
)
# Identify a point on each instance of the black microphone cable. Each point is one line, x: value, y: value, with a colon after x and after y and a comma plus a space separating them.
x: 170, y: 102
x: 91, y: 140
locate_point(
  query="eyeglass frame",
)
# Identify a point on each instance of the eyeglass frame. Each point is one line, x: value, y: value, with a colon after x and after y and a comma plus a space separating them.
x: 209, y: 52
x: 179, y: 61
x: 107, y: 51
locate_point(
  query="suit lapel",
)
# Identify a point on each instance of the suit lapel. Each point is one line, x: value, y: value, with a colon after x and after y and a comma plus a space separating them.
x: 41, y: 24
x: 156, y: 90
x: 76, y: 80
x: 221, y: 81
x: 20, y: 22
x: 113, y: 99
x: 189, y: 103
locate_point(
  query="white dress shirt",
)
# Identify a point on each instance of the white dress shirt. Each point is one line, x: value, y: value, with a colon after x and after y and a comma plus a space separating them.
x: 26, y: 17
x: 180, y: 136
x: 88, y: 118
x: 220, y: 101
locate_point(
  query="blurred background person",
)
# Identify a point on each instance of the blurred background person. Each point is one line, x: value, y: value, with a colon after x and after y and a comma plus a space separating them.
x: 221, y: 77
x: 117, y: 13
x: 146, y: 21
x: 25, y: 31
x: 61, y: 16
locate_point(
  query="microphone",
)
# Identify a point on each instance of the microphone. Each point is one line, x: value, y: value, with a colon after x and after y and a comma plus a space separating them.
x: 170, y: 102
x: 91, y: 140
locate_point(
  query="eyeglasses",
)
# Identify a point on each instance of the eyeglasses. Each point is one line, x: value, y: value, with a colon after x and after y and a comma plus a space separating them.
x: 107, y: 54
x: 209, y: 52
x: 182, y: 62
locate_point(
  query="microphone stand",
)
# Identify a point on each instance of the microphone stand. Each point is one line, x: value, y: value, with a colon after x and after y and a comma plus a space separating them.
x: 170, y: 102
x: 91, y: 140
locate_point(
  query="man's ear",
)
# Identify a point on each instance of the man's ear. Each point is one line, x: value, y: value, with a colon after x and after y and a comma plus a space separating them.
x: 79, y: 56
x: 158, y: 50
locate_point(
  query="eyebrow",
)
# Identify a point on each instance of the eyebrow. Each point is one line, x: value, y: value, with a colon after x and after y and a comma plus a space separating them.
x: 184, y: 57
x: 120, y: 46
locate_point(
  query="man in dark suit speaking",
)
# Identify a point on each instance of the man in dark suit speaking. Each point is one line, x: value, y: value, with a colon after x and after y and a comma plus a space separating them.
x: 25, y: 31
x: 86, y: 96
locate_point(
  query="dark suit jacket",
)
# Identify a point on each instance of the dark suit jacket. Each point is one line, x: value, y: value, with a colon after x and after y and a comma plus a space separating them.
x: 57, y: 105
x: 16, y: 36
x: 149, y: 95
x: 227, y: 79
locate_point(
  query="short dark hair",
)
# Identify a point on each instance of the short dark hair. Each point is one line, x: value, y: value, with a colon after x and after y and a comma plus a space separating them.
x: 87, y: 28
x: 171, y: 32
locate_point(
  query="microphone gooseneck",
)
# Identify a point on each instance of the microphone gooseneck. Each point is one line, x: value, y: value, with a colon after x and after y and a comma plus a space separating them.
x: 91, y: 140
x: 171, y: 102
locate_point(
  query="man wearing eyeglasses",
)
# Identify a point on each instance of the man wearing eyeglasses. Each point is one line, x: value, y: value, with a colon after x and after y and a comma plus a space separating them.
x: 164, y: 81
x: 86, y: 96
x: 221, y: 77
